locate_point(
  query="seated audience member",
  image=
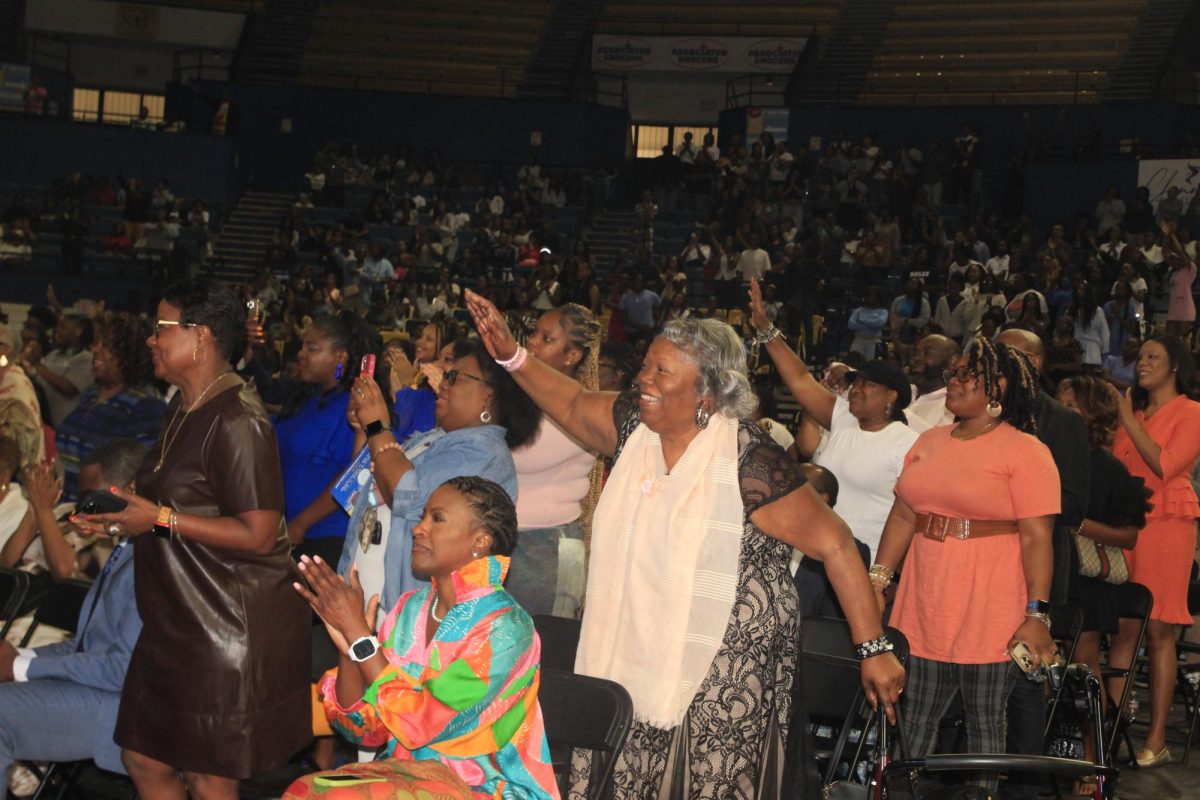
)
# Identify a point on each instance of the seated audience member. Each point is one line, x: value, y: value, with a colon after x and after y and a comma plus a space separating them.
x: 817, y: 597
x: 65, y: 371
x: 1120, y: 369
x: 122, y: 403
x: 1064, y: 353
x: 59, y: 702
x: 453, y: 706
x: 867, y: 321
x: 13, y: 505
x: 16, y: 388
x: 619, y: 365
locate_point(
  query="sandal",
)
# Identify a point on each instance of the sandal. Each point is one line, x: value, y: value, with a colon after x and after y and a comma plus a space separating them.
x: 1085, y: 787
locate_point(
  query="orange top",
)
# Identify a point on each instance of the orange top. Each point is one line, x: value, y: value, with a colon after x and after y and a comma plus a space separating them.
x: 1176, y: 429
x: 960, y: 600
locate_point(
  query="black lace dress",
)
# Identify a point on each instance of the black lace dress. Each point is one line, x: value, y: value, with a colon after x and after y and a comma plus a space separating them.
x: 731, y: 743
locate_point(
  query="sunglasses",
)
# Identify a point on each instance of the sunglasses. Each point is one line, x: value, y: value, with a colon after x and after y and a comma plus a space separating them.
x: 962, y: 374
x: 160, y: 324
x: 452, y: 375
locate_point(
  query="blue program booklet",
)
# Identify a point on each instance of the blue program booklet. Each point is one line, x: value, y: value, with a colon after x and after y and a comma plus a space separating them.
x: 357, y: 478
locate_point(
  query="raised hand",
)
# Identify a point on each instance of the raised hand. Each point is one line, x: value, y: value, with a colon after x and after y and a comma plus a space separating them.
x: 758, y: 315
x: 493, y: 330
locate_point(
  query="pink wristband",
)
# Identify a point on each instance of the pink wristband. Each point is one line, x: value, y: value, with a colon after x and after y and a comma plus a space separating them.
x: 516, y: 362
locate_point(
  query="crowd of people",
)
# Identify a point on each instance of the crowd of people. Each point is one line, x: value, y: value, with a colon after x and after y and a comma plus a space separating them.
x: 428, y: 443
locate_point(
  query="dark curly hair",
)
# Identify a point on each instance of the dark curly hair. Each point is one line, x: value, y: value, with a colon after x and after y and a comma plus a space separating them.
x: 513, y: 409
x: 124, y: 336
x: 350, y: 332
x: 1097, y: 405
x: 991, y: 362
x: 1182, y: 364
x: 493, y: 509
x: 202, y: 301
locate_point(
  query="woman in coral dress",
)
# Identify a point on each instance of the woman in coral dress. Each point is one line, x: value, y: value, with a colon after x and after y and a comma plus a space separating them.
x: 1159, y: 441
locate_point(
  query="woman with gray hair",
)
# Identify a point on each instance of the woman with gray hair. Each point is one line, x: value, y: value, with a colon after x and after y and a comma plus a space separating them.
x: 690, y: 604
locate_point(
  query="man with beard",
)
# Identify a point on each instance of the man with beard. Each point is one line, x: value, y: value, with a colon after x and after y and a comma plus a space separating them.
x: 1063, y: 432
x: 931, y: 357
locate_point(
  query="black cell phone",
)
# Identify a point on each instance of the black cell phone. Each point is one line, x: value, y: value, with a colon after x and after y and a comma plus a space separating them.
x: 101, y: 503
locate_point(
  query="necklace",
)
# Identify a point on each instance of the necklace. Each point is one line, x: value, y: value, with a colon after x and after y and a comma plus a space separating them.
x: 433, y: 611
x: 970, y: 436
x: 168, y: 438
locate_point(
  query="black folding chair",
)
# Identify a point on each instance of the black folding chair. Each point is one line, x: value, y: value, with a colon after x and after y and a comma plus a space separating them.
x: 1066, y: 625
x: 830, y: 673
x: 14, y: 585
x: 560, y: 640
x: 60, y: 608
x: 1134, y: 601
x: 587, y: 713
x: 1188, y: 670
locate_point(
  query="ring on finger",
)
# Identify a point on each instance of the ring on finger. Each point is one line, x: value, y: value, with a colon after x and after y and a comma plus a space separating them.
x: 114, y: 529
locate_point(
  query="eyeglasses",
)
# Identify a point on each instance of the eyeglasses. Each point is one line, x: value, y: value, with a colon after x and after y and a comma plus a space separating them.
x: 962, y: 374
x: 159, y: 324
x: 452, y: 375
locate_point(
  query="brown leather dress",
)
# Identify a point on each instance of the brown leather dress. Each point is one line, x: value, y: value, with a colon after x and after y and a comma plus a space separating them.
x: 218, y: 683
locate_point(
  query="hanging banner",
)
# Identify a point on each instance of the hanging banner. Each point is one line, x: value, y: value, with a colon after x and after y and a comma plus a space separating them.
x: 695, y: 54
x: 1158, y: 175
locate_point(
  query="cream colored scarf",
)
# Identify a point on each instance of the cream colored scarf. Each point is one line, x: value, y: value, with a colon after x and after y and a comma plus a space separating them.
x: 663, y: 570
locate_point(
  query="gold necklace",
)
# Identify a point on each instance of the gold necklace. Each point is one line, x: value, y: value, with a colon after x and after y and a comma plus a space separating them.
x: 977, y: 434
x: 168, y: 438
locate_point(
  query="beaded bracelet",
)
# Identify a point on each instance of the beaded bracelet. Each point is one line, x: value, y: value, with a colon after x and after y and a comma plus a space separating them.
x: 516, y: 362
x: 881, y: 577
x: 875, y: 647
x: 762, y: 337
x: 382, y: 450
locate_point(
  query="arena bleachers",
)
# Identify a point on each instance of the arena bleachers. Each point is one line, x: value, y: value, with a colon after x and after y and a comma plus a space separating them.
x: 714, y: 17
x: 940, y: 52
x: 455, y: 47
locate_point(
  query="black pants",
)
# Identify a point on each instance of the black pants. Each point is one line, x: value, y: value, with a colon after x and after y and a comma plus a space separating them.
x: 1026, y: 735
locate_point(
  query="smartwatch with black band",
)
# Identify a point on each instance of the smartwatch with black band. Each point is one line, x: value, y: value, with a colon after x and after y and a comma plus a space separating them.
x: 375, y: 428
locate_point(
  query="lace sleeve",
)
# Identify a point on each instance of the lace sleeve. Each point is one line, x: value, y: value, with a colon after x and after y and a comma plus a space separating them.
x: 626, y: 417
x: 765, y: 472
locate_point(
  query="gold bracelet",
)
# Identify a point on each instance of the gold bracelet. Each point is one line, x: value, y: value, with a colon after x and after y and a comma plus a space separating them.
x: 174, y: 524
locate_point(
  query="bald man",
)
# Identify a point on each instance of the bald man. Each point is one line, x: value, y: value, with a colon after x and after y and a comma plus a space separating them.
x: 931, y: 357
x: 1063, y: 432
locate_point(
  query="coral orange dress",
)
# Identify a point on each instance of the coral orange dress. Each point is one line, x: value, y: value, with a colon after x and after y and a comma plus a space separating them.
x: 1162, y: 559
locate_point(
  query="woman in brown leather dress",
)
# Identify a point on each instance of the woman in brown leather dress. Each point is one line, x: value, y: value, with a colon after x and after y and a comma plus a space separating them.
x: 218, y: 685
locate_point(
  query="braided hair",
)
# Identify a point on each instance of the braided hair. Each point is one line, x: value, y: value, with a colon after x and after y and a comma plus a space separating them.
x: 493, y: 509
x: 584, y: 334
x: 345, y: 331
x: 991, y: 362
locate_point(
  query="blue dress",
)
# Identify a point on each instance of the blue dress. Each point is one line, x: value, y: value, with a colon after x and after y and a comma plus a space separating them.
x: 316, y: 444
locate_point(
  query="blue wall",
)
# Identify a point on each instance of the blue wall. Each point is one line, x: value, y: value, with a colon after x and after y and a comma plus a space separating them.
x: 40, y: 149
x: 463, y: 128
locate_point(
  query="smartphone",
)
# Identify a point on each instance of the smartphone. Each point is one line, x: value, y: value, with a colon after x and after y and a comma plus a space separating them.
x: 253, y: 307
x: 101, y: 502
x: 1023, y: 657
x: 368, y: 365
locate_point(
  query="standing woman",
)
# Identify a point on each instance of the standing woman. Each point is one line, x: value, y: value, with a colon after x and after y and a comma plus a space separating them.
x: 1159, y: 440
x: 1116, y: 512
x: 869, y: 434
x: 65, y: 371
x: 414, y: 395
x: 1181, y: 307
x: 558, y: 478
x: 122, y: 402
x: 218, y: 685
x: 690, y: 602
x: 316, y: 444
x: 972, y: 522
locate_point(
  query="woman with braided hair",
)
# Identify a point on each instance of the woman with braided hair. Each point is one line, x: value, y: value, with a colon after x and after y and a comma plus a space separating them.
x: 972, y: 520
x: 559, y: 479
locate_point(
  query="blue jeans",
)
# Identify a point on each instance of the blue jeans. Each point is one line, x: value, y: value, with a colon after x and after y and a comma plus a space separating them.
x: 51, y: 720
x: 548, y: 573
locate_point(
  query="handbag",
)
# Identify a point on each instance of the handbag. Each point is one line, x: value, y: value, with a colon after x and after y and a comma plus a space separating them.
x: 1101, y: 561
